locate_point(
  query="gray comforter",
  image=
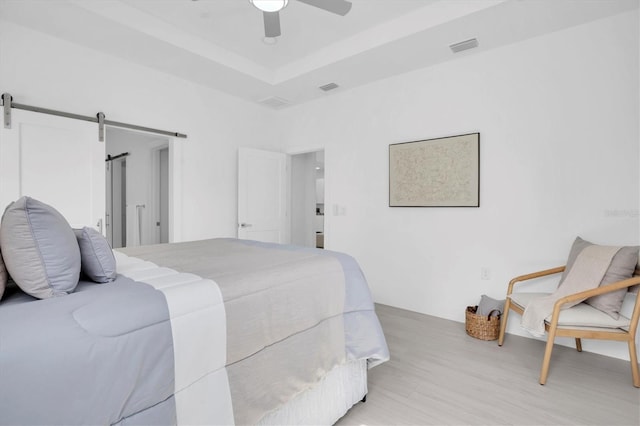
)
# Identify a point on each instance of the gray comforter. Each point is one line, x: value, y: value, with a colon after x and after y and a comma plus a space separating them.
x: 100, y: 355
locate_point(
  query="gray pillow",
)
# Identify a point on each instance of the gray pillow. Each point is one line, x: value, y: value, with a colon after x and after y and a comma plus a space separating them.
x: 636, y: 288
x: 622, y: 267
x: 98, y: 261
x: 487, y: 305
x: 39, y: 249
x: 4, y: 276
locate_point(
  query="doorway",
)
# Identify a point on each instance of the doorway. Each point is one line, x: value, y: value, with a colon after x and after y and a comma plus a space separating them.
x: 307, y: 199
x: 162, y: 178
x: 116, y: 200
x: 137, y: 190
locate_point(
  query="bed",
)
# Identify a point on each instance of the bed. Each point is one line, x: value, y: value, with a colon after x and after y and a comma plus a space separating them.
x: 219, y: 331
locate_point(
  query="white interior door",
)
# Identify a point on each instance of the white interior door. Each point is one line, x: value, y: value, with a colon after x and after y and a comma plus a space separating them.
x: 262, y: 196
x: 56, y: 160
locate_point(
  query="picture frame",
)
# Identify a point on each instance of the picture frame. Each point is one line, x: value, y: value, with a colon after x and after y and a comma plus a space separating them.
x: 440, y: 172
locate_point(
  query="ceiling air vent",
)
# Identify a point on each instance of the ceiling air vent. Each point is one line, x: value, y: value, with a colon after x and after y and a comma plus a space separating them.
x: 329, y: 86
x: 464, y: 45
x: 274, y: 102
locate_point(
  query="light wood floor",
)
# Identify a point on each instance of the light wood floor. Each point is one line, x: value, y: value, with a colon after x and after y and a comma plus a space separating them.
x: 438, y: 375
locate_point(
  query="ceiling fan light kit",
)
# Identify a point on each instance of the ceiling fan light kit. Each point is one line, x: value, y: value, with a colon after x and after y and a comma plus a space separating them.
x: 270, y: 5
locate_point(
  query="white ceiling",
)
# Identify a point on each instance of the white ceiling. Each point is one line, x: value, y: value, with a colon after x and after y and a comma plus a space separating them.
x: 219, y: 43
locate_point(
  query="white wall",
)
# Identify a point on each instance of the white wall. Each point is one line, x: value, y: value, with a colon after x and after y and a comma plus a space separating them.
x: 558, y: 122
x: 41, y: 70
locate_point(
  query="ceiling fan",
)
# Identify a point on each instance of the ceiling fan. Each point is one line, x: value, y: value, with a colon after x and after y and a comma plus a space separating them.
x: 271, y: 8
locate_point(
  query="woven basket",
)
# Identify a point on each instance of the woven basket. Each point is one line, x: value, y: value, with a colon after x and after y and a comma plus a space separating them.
x: 480, y: 326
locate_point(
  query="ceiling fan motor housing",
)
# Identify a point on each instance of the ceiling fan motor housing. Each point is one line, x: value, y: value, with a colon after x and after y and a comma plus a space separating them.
x: 270, y: 9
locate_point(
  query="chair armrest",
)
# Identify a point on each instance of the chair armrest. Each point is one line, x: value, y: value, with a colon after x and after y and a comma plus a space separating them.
x: 598, y: 290
x: 533, y: 275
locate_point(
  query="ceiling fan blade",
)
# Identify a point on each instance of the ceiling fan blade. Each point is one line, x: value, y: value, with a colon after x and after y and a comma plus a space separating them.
x: 339, y: 7
x: 271, y: 24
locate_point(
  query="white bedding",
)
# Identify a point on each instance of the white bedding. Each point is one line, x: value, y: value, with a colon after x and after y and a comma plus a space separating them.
x: 198, y: 325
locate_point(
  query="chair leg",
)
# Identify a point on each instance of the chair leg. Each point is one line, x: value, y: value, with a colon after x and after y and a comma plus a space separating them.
x: 578, y: 344
x: 547, y: 356
x: 633, y: 358
x: 503, y: 321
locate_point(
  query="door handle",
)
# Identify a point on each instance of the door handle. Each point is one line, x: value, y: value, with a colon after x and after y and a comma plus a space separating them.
x: 245, y: 225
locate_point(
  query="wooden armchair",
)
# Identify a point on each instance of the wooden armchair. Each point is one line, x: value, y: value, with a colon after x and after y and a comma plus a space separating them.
x: 580, y: 321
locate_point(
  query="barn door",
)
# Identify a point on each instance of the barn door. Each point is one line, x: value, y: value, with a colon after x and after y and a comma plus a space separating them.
x: 56, y: 160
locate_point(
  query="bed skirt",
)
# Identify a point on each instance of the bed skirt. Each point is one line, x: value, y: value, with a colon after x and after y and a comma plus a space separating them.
x: 327, y: 401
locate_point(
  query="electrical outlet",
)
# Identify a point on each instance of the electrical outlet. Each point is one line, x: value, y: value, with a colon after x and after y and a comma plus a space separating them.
x: 339, y: 210
x: 485, y: 273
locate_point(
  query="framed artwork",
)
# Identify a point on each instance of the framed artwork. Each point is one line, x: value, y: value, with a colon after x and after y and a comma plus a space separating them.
x: 443, y: 172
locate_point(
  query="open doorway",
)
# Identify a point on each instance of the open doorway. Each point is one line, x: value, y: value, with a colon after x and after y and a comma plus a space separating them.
x: 161, y: 176
x: 307, y: 199
x: 116, y: 199
x: 137, y: 197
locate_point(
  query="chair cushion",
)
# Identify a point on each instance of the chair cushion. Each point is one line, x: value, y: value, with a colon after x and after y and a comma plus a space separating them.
x: 580, y: 315
x: 622, y: 267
